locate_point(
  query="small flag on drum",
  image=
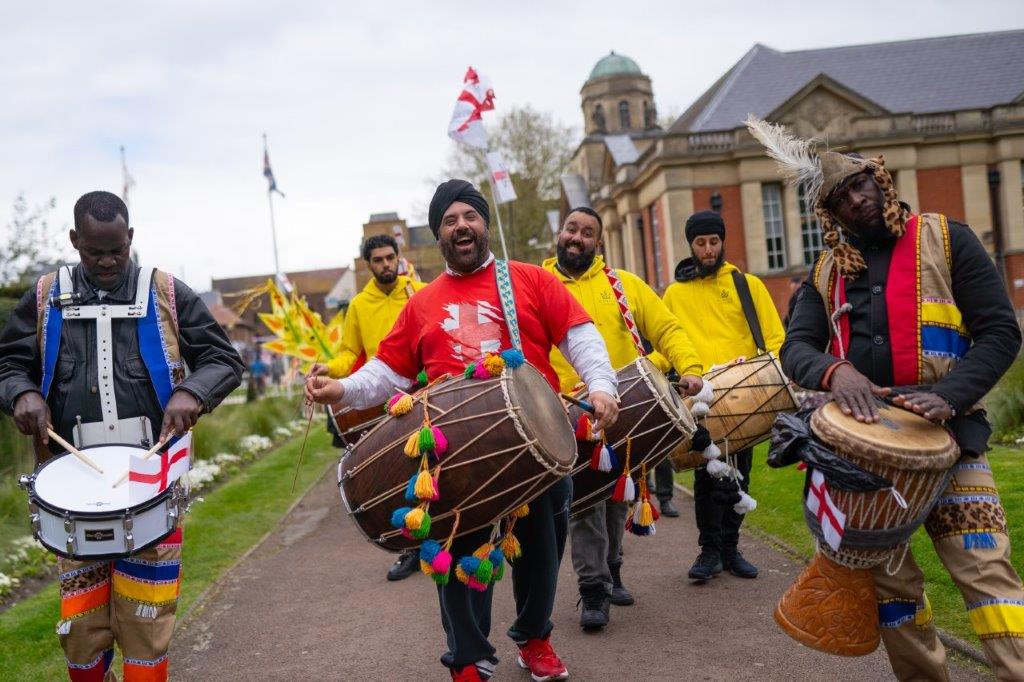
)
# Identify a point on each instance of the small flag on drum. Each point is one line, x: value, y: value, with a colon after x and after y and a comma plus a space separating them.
x: 832, y: 520
x: 147, y: 478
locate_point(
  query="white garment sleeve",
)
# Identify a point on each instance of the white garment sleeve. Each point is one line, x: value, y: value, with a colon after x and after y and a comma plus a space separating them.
x: 372, y: 384
x: 584, y: 348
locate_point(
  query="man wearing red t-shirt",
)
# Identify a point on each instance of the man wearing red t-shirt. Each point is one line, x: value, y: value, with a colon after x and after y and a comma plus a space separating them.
x: 453, y: 321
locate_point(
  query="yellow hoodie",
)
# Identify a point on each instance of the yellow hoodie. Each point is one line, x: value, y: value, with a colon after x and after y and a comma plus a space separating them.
x: 654, y: 321
x: 712, y: 306
x: 369, y: 318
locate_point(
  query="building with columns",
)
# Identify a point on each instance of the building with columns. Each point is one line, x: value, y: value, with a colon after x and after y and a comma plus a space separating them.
x: 947, y: 114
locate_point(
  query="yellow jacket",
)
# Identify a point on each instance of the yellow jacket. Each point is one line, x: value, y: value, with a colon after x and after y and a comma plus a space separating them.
x: 369, y: 318
x: 710, y: 306
x: 654, y: 321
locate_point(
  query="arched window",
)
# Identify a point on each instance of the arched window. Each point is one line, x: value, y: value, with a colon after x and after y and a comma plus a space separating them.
x: 624, y: 115
x: 598, y: 118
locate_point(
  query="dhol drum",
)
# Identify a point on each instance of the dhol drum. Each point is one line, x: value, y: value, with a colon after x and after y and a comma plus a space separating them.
x: 351, y: 423
x: 832, y: 606
x: 748, y: 395
x: 508, y: 440
x: 651, y: 415
x: 77, y: 512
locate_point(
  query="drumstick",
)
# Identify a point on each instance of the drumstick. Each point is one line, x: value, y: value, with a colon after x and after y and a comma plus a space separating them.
x: 73, y: 450
x: 582, y: 404
x: 302, y: 448
x: 149, y: 453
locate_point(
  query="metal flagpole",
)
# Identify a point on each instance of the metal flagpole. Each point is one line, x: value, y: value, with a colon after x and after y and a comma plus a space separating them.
x: 273, y: 232
x: 497, y: 209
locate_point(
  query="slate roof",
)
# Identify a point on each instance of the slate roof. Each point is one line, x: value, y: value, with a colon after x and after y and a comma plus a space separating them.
x: 574, y: 187
x: 922, y: 76
x: 622, y: 149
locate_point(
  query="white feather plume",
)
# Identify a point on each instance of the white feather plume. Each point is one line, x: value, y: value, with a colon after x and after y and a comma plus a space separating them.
x: 797, y: 159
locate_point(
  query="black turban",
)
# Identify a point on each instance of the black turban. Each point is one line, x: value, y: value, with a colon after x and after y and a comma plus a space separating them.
x: 704, y: 222
x: 447, y: 193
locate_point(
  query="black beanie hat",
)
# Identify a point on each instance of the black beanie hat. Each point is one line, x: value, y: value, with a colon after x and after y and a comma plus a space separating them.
x: 447, y: 193
x: 704, y: 222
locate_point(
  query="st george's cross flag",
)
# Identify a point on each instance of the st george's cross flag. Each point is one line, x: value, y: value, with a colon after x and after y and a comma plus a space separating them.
x: 501, y: 179
x: 476, y: 97
x: 832, y: 520
x: 147, y: 478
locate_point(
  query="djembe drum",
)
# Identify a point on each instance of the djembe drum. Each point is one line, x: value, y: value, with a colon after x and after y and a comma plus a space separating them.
x: 506, y: 440
x: 651, y: 416
x: 832, y: 606
x: 747, y: 397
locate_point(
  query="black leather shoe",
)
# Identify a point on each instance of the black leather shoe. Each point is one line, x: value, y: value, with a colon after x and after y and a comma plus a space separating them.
x: 405, y: 565
x: 620, y: 595
x: 668, y: 509
x: 707, y: 566
x: 734, y: 562
x: 595, y: 613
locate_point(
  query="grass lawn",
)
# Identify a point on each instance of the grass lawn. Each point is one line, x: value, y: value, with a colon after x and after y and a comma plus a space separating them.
x: 779, y: 513
x: 217, y: 531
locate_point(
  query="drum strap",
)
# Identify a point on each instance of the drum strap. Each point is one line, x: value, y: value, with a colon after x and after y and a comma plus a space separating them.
x: 508, y: 301
x: 627, y: 314
x: 749, y: 312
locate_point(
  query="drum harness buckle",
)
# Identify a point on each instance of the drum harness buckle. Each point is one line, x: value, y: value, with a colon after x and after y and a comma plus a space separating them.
x: 69, y: 527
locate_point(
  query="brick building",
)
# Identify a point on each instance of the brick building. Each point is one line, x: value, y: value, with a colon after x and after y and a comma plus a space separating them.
x: 415, y: 243
x: 947, y: 113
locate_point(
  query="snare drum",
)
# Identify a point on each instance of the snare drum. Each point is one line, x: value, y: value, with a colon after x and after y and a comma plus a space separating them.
x: 77, y: 512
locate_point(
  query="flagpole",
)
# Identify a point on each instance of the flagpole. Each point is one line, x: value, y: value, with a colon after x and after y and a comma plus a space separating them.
x: 501, y: 230
x: 273, y: 232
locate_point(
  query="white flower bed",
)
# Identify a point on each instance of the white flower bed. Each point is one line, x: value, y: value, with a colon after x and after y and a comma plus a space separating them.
x: 283, y: 432
x: 202, y: 473
x: 7, y: 583
x: 254, y: 443
x: 226, y: 458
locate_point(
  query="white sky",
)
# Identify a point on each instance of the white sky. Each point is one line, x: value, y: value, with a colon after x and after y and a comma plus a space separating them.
x: 355, y: 98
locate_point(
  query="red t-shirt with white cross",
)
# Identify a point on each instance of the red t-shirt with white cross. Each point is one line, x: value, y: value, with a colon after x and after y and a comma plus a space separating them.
x: 456, y: 320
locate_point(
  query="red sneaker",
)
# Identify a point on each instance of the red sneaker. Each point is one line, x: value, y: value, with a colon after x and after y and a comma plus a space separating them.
x: 467, y: 673
x: 540, y: 659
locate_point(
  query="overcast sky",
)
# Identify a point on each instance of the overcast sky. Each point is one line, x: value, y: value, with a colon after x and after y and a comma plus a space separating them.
x: 355, y: 98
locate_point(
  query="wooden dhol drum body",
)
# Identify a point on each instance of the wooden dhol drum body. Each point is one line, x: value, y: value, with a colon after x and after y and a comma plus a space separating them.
x: 747, y: 398
x: 651, y: 415
x: 509, y: 440
x: 351, y: 423
x: 832, y: 606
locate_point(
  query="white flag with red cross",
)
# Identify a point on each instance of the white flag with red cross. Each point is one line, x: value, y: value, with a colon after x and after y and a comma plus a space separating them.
x: 147, y: 478
x: 467, y: 122
x: 832, y: 520
x: 501, y: 179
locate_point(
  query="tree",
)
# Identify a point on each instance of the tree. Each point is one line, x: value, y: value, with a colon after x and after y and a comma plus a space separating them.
x: 537, y: 150
x: 30, y: 241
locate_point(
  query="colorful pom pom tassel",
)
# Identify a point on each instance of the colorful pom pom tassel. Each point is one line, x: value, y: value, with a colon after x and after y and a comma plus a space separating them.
x: 412, y: 445
x: 520, y: 512
x: 718, y: 468
x: 495, y: 365
x: 400, y: 403
x: 642, y: 521
x: 480, y: 371
x: 604, y: 457
x: 513, y: 358
x: 440, y: 442
x: 625, y: 489
x: 497, y: 559
x: 470, y: 368
x: 410, y: 490
x: 510, y: 546
x: 421, y: 378
x: 415, y: 518
x: 425, y: 488
x: 398, y: 516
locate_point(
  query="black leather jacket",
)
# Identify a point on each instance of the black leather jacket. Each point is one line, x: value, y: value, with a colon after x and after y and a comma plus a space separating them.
x: 216, y: 368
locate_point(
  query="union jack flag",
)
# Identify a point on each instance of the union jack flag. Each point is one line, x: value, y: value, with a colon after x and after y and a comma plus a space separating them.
x: 268, y: 173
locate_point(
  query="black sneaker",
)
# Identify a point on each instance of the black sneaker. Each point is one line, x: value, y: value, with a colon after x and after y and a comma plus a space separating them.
x: 707, y: 566
x: 405, y: 565
x: 620, y: 595
x: 595, y: 612
x: 734, y: 562
x: 668, y: 509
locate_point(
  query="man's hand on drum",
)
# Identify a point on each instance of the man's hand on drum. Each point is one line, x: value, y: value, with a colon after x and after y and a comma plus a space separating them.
x: 323, y: 390
x: 929, y: 405
x: 691, y: 384
x: 606, y: 410
x: 855, y: 394
x: 180, y: 415
x: 32, y: 416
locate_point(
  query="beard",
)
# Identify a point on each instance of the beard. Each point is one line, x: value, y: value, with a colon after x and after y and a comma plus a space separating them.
x: 871, y: 230
x: 386, y: 277
x: 705, y: 270
x: 575, y: 262
x: 469, y: 261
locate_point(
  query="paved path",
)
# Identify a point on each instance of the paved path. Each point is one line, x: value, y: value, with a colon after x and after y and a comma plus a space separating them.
x: 312, y: 604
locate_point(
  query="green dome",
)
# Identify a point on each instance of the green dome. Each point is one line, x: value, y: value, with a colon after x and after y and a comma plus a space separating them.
x: 614, y: 65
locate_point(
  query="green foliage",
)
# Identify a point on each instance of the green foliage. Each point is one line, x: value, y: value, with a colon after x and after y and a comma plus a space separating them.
x: 1006, y: 404
x: 7, y: 306
x: 221, y: 431
x: 779, y: 513
x: 217, y: 531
